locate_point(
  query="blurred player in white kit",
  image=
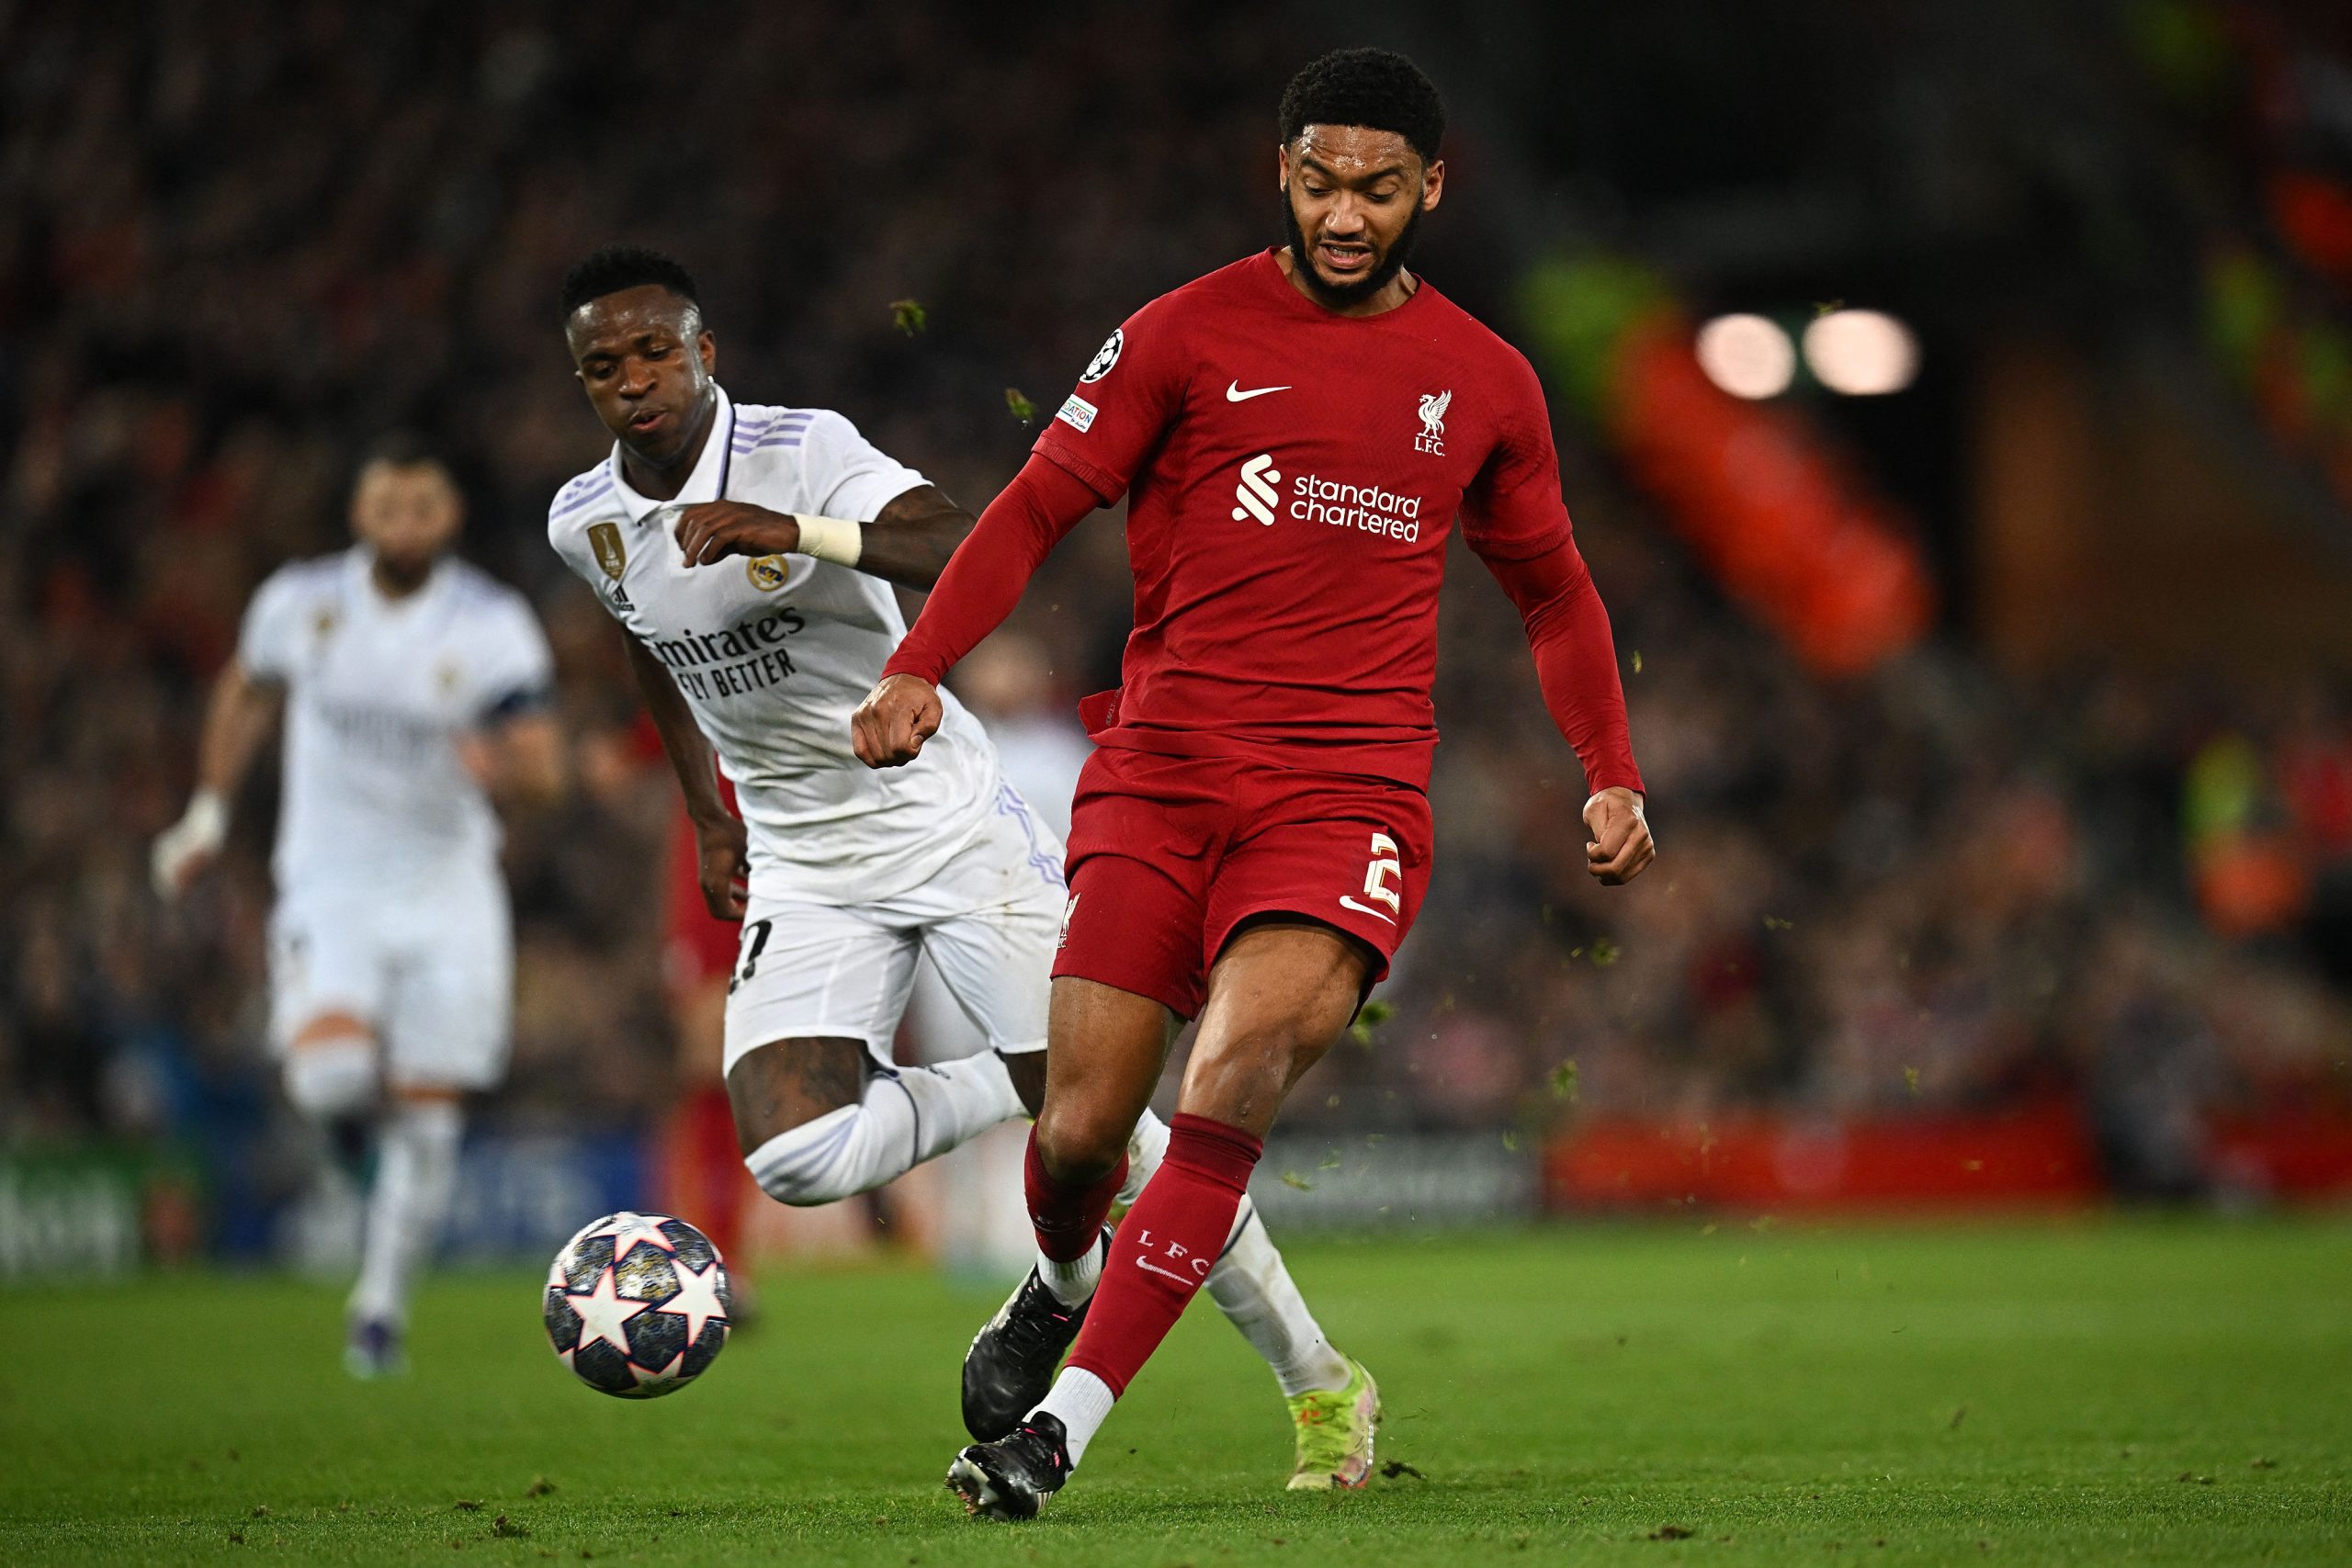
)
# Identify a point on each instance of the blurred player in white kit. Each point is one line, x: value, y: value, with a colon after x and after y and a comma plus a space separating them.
x: 415, y: 692
x: 748, y: 553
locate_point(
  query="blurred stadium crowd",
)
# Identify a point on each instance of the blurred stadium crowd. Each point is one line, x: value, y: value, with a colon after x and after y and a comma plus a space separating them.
x: 243, y: 239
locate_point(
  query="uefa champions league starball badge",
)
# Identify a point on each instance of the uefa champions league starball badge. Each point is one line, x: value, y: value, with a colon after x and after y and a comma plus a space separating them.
x: 637, y: 1305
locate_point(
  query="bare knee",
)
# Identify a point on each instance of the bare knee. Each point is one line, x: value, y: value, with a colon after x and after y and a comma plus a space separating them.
x: 1080, y: 1142
x: 790, y: 1083
x: 776, y: 1092
x: 1106, y: 1052
x: 331, y: 1068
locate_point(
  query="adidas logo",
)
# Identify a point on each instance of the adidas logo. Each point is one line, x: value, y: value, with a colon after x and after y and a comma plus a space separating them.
x: 1256, y: 490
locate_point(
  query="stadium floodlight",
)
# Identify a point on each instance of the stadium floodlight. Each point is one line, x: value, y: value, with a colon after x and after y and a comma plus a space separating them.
x: 1862, y: 353
x: 1747, y: 356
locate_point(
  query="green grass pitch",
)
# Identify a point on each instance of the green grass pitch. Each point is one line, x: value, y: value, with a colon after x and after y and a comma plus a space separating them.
x: 2080, y: 1391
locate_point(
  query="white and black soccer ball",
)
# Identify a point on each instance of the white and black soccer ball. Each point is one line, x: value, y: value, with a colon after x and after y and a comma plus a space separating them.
x: 639, y: 1304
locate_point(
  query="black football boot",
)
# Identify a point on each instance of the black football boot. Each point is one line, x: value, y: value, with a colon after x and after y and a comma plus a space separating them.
x: 1008, y: 1478
x: 1012, y: 1361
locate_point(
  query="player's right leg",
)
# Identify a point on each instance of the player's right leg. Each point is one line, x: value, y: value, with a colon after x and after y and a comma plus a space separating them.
x: 820, y: 1113
x: 329, y: 976
x: 1011, y: 1361
x: 1105, y: 1051
x: 330, y: 1075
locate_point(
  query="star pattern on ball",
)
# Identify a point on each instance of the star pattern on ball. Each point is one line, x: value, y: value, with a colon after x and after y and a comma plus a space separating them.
x: 627, y: 1230
x: 605, y: 1313
x: 697, y: 1298
x: 653, y: 1377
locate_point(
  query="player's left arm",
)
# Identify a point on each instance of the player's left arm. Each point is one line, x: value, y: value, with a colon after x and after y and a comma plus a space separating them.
x: 907, y: 542
x: 1516, y: 521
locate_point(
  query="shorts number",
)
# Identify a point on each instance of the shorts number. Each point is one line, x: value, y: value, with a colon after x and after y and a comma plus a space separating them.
x: 1384, y: 865
x: 755, y: 942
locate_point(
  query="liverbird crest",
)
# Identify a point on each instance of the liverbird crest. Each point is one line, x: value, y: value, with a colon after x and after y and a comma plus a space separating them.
x: 1433, y: 406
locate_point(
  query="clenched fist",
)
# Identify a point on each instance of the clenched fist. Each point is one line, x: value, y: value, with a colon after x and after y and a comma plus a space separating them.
x: 889, y: 726
x: 1620, y: 846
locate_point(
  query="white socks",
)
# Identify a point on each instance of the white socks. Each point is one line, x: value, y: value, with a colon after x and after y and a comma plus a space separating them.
x: 1081, y: 1403
x: 1249, y: 1282
x: 1072, y: 1282
x: 907, y: 1116
x: 1254, y: 1290
x: 417, y: 1175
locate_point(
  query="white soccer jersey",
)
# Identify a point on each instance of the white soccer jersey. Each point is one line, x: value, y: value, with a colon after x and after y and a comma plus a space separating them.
x: 774, y: 654
x: 379, y: 691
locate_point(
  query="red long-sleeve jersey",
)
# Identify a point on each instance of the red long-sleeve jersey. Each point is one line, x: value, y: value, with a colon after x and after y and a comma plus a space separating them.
x: 1292, y: 476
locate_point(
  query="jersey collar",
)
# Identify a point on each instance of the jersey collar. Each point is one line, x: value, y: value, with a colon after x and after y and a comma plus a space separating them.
x: 707, y: 482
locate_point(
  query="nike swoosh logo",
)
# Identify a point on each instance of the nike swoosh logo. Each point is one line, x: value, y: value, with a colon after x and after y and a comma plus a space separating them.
x: 1234, y: 394
x: 1165, y: 1273
x: 1366, y: 910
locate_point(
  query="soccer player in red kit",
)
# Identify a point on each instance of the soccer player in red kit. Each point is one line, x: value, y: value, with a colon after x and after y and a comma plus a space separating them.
x: 1296, y: 434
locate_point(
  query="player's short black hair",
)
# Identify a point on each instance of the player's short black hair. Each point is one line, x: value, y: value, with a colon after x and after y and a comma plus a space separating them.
x: 403, y: 449
x: 1377, y: 88
x: 616, y: 267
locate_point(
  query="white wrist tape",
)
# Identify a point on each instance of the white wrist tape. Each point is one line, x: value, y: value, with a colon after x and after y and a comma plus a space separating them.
x: 200, y: 832
x: 831, y: 538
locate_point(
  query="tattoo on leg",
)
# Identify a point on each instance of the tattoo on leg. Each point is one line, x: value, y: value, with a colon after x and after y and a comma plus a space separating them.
x: 781, y: 1085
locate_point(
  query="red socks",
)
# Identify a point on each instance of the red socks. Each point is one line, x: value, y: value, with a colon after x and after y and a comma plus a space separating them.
x: 1166, y: 1247
x: 1066, y: 1219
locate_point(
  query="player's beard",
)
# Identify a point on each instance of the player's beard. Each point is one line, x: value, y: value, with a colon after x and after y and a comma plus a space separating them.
x: 1341, y: 296
x: 400, y: 575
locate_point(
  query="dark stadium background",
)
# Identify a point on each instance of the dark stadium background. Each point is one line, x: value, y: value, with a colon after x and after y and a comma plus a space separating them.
x: 1996, y: 728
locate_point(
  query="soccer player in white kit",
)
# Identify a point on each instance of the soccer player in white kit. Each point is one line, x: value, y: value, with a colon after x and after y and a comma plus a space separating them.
x: 414, y: 689
x: 748, y: 551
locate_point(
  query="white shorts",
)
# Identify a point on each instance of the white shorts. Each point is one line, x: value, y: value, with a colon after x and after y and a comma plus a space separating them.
x: 987, y: 922
x: 433, y: 977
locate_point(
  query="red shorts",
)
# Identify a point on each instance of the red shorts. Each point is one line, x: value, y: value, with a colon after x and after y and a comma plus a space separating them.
x: 1169, y: 855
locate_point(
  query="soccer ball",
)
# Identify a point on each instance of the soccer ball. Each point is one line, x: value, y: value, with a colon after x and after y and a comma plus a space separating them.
x: 639, y: 1304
